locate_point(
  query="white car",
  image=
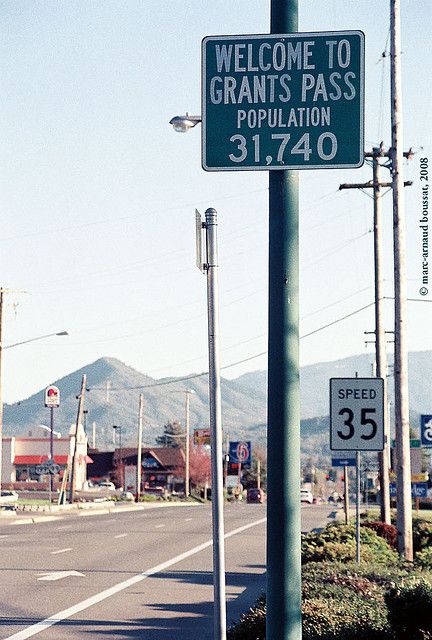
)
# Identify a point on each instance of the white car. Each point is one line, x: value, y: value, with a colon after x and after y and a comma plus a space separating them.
x: 306, y: 496
x: 105, y: 484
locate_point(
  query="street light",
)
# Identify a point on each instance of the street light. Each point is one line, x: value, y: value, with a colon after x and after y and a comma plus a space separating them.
x: 119, y: 429
x: 48, y: 335
x: 9, y: 346
x: 181, y: 124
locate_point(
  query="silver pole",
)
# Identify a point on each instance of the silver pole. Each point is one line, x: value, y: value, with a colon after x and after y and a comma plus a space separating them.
x: 358, y: 506
x: 187, y: 444
x: 215, y: 426
x: 139, y: 447
x: 403, y: 464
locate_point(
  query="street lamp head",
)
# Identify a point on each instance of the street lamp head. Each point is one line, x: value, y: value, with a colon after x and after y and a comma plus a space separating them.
x: 181, y: 124
x: 62, y: 333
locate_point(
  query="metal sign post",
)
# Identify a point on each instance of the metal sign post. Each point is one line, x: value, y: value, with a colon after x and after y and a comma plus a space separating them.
x: 277, y: 102
x: 52, y: 401
x: 211, y: 267
x: 358, y: 480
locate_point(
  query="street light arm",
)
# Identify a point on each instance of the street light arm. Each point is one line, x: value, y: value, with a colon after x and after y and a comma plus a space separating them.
x: 48, y: 335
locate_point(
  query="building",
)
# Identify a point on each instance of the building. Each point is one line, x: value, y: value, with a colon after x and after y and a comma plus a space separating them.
x: 162, y: 467
x: 22, y: 455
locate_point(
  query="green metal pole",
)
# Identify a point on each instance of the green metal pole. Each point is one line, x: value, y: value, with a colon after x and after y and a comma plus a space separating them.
x: 283, y: 508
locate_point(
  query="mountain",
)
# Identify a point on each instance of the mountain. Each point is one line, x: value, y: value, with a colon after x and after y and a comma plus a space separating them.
x: 112, y: 399
x: 243, y: 401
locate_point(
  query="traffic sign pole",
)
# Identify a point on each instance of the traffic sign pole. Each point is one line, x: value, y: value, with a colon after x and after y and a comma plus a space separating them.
x: 358, y: 507
x: 283, y: 507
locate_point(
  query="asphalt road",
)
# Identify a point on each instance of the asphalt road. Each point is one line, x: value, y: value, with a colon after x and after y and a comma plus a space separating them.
x: 144, y: 574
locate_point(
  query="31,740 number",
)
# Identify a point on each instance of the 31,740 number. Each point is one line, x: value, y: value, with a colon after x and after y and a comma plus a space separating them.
x: 326, y: 147
x: 365, y: 421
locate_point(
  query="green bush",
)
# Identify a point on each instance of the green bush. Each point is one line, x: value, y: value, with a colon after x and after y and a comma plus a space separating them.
x: 422, y: 534
x: 424, y: 559
x: 252, y: 625
x: 337, y: 543
x: 409, y: 606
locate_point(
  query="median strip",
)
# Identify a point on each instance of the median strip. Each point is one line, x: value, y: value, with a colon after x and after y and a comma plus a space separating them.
x: 42, y: 625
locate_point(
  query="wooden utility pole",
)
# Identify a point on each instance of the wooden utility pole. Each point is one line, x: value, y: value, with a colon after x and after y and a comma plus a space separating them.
x: 403, y: 463
x: 380, y: 340
x: 380, y: 344
x: 2, y: 292
x: 139, y: 446
x: 79, y: 417
x: 1, y: 383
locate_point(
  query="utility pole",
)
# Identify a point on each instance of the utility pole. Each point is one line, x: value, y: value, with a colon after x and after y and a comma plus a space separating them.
x: 94, y: 435
x: 403, y: 463
x: 258, y: 473
x: 380, y: 341
x: 139, y: 446
x: 79, y: 417
x: 2, y: 292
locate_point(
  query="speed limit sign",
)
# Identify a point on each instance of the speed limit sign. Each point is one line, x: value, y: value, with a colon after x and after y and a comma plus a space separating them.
x: 356, y: 414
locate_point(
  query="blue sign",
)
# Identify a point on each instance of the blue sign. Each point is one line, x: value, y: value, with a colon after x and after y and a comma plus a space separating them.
x: 240, y: 453
x: 418, y: 489
x: 343, y: 462
x: 426, y: 431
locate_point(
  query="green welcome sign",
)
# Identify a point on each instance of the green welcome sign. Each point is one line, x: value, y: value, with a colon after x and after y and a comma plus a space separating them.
x: 292, y: 101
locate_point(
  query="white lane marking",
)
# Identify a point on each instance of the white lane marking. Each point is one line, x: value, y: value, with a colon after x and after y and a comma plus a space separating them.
x: 53, y: 553
x: 6, y: 535
x: 67, y: 526
x: 187, y: 519
x: 42, y: 625
x: 121, y: 535
x: 158, y: 526
x: 58, y: 575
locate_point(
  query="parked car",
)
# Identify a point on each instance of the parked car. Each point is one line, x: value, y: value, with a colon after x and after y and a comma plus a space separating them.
x: 255, y: 496
x: 8, y: 499
x: 105, y: 484
x: 306, y: 496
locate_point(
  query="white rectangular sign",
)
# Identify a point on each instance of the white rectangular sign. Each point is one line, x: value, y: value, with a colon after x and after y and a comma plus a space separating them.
x: 356, y: 414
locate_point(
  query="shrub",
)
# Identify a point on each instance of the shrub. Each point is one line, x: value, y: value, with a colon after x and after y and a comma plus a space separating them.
x: 337, y: 543
x: 252, y: 625
x: 422, y: 534
x: 386, y: 531
x: 409, y: 607
x: 424, y: 558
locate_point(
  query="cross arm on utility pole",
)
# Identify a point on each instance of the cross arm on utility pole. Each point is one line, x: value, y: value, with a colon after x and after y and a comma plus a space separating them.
x: 370, y: 185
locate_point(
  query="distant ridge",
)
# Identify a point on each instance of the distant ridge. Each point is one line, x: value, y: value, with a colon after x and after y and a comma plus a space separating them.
x: 243, y: 400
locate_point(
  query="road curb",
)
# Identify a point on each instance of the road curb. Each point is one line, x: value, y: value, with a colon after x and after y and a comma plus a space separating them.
x: 96, y: 511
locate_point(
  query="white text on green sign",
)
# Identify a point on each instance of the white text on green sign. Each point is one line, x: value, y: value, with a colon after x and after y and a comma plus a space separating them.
x: 291, y: 101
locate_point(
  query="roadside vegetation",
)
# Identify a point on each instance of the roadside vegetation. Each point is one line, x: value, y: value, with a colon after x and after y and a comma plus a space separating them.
x: 382, y: 598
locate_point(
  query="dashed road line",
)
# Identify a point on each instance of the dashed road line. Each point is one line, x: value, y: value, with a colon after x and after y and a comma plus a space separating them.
x: 53, y: 553
x: 158, y: 526
x: 121, y: 535
x: 42, y: 625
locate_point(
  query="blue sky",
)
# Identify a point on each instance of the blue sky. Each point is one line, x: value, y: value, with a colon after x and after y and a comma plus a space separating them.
x: 98, y: 193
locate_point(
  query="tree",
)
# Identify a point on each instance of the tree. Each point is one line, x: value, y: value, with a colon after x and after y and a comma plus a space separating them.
x: 199, y: 466
x: 173, y: 435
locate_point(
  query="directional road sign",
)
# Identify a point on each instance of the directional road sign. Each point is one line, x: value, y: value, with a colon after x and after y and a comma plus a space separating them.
x: 356, y: 414
x: 426, y: 431
x: 343, y: 462
x: 292, y: 101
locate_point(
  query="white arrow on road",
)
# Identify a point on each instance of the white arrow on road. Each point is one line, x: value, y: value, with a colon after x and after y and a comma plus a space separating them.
x: 58, y: 575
